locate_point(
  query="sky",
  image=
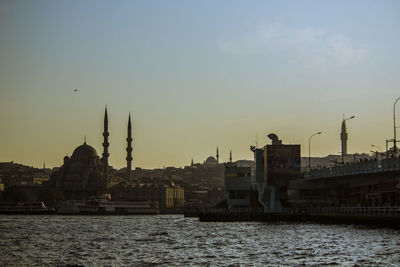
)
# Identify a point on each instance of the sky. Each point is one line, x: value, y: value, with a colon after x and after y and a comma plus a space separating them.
x: 195, y: 75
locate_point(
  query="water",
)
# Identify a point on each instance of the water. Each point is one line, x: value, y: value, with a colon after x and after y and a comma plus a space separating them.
x: 177, y: 241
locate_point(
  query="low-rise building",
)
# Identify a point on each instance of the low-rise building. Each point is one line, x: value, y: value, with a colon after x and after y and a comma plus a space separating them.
x: 167, y: 195
x: 237, y: 182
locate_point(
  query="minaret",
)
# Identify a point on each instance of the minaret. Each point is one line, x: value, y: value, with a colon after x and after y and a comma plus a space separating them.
x: 129, y: 150
x: 230, y: 156
x: 105, y: 149
x: 192, y: 163
x: 343, y: 137
x: 217, y: 156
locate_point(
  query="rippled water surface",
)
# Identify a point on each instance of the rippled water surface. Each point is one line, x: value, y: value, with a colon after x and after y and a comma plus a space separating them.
x: 172, y: 240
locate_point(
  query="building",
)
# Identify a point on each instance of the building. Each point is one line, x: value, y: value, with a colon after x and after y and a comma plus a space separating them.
x: 275, y: 166
x: 23, y: 183
x: 210, y: 162
x: 237, y: 183
x: 1, y: 190
x: 85, y: 174
x: 81, y: 175
x: 167, y: 195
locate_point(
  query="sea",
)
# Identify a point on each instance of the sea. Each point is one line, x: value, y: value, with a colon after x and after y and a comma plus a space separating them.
x: 173, y: 240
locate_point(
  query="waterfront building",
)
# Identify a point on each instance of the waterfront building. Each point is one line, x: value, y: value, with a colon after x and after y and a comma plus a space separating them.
x: 282, y: 162
x: 168, y: 195
x: 85, y: 174
x: 275, y: 166
x: 81, y: 175
x: 22, y: 183
x: 237, y: 183
x: 1, y: 190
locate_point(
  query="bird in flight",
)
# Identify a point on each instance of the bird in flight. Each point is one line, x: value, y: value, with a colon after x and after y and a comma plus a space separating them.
x: 75, y: 90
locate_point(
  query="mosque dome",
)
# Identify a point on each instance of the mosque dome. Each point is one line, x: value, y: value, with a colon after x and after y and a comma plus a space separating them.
x: 84, y: 153
x: 211, y: 160
x: 76, y: 167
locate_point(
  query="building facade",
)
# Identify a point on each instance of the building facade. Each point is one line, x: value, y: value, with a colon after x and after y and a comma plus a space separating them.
x: 167, y: 195
x: 85, y: 174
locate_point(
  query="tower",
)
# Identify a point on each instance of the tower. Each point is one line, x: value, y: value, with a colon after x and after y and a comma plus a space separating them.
x: 217, y: 156
x: 129, y: 150
x: 230, y: 156
x: 343, y: 137
x: 106, y: 144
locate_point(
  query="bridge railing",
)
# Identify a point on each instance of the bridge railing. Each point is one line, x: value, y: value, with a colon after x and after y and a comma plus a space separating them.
x: 369, y: 166
x: 233, y: 210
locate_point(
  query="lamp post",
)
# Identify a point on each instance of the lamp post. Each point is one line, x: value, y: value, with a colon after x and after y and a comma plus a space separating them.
x: 309, y: 150
x: 394, y: 126
x: 380, y: 150
x: 343, y: 137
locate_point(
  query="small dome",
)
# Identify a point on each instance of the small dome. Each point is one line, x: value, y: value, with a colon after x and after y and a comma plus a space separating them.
x: 211, y: 160
x: 84, y: 153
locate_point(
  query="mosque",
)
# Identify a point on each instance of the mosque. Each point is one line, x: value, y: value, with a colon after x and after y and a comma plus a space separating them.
x: 85, y: 174
x: 211, y: 161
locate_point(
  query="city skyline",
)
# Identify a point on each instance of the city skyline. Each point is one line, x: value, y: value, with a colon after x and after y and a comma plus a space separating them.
x: 194, y: 77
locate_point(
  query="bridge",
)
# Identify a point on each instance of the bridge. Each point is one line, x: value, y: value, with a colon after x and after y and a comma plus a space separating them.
x: 356, y: 168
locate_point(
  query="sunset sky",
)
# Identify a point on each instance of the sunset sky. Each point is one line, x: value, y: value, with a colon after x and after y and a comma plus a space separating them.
x: 195, y: 75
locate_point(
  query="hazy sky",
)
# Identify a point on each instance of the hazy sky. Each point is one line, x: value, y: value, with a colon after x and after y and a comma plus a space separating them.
x: 194, y: 75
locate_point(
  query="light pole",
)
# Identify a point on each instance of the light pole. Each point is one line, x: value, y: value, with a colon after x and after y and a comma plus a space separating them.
x: 309, y: 150
x: 394, y: 126
x: 380, y: 150
x: 343, y: 137
x: 376, y: 152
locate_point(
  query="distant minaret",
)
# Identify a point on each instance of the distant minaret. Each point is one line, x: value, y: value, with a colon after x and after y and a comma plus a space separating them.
x: 192, y: 163
x: 230, y: 156
x: 105, y: 148
x: 217, y: 156
x: 129, y: 150
x: 343, y: 137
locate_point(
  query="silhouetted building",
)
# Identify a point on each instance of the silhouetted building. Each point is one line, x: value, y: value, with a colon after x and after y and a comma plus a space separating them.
x: 167, y: 195
x: 84, y: 174
x: 281, y: 163
x: 210, y: 161
x: 275, y: 166
x: 81, y: 175
x: 237, y: 183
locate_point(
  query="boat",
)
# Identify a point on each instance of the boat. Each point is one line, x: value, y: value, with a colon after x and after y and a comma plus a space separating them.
x: 104, y: 206
x: 25, y: 208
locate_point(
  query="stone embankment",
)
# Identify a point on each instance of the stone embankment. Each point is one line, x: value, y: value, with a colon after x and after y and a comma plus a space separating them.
x: 374, y: 216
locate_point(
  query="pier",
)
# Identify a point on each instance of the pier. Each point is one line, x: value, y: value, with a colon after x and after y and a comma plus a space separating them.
x: 376, y: 216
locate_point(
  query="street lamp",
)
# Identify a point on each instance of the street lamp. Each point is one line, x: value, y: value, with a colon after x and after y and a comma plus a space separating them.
x: 343, y: 137
x: 380, y: 150
x: 376, y: 152
x: 309, y: 150
x: 394, y: 126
